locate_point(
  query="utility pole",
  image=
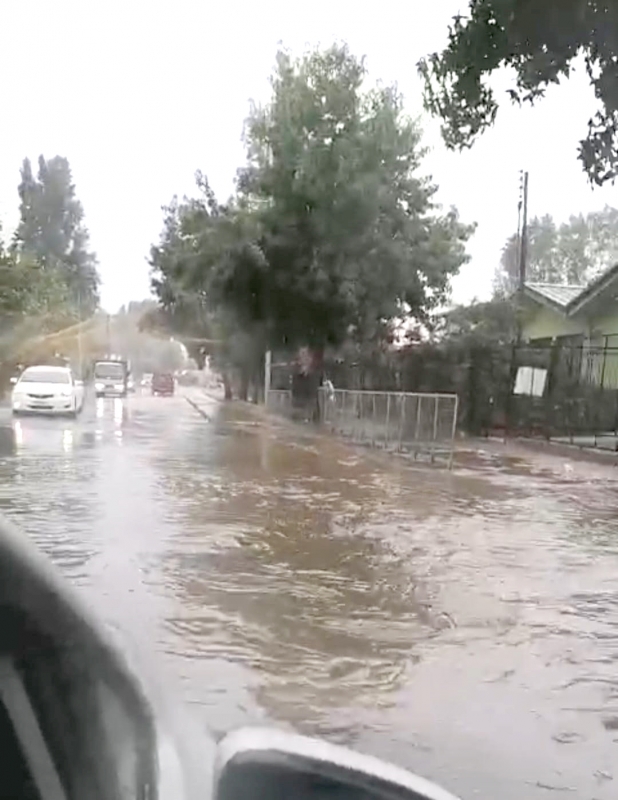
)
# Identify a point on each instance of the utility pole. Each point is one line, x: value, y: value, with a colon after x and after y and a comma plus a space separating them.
x: 522, y: 230
x: 523, y: 238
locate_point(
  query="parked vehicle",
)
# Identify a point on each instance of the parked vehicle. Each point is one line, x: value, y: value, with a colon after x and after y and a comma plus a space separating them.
x: 163, y: 384
x: 111, y: 378
x: 47, y: 390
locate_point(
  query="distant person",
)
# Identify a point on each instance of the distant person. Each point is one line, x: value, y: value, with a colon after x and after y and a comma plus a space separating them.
x: 329, y: 390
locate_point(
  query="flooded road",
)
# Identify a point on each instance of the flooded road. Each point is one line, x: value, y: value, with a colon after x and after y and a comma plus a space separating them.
x: 462, y: 624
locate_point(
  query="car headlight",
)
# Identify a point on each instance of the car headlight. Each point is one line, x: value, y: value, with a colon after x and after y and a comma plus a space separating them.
x: 66, y: 392
x: 98, y: 386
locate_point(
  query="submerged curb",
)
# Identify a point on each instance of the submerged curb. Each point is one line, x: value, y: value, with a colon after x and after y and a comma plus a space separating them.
x: 198, y: 408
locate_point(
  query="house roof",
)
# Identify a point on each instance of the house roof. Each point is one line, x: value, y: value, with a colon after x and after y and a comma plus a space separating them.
x: 570, y: 299
x: 559, y: 295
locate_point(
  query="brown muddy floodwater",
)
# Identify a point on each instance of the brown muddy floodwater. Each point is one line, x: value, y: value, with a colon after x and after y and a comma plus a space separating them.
x: 462, y: 624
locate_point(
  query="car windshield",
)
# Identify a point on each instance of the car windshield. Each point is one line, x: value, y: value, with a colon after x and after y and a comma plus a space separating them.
x: 44, y: 376
x: 109, y: 371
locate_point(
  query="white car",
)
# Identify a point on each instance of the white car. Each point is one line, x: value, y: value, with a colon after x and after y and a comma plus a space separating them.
x: 47, y: 390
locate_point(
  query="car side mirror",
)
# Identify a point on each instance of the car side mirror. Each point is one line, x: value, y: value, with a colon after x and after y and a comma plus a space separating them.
x: 79, y: 382
x: 262, y: 764
x: 14, y: 380
x: 74, y: 721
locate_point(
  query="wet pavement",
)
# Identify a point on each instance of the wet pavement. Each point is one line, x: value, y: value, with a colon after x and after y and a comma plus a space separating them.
x: 462, y: 624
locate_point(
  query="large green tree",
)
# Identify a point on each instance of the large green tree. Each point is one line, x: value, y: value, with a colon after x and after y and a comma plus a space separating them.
x: 539, y: 40
x: 573, y: 252
x: 51, y: 230
x: 332, y: 232
x: 348, y: 230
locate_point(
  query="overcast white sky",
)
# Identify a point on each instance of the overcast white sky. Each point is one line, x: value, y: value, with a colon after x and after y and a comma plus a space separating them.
x: 138, y: 95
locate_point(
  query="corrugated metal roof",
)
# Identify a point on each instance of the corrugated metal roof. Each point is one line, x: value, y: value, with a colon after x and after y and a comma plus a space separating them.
x: 560, y: 295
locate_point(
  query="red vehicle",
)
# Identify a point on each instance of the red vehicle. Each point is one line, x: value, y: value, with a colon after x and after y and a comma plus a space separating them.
x: 163, y: 383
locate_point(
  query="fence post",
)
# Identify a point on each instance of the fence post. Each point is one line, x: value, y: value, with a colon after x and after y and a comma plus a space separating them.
x: 604, y: 360
x: 453, y: 431
x: 508, y: 406
x: 555, y: 361
x: 435, y: 427
x: 373, y: 430
x: 401, y: 421
x: 358, y: 425
x: 418, y: 422
x: 388, y: 416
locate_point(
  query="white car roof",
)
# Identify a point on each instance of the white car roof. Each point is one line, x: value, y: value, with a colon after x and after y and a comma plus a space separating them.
x: 43, y: 367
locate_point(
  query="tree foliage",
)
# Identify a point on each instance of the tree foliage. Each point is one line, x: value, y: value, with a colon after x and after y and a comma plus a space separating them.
x: 32, y: 301
x: 332, y: 230
x: 539, y: 40
x: 51, y: 231
x: 182, y: 264
x: 349, y: 229
x: 490, y: 323
x: 574, y: 252
x: 28, y: 289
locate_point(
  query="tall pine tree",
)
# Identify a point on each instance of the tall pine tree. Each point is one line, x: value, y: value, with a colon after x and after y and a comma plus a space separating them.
x: 52, y: 231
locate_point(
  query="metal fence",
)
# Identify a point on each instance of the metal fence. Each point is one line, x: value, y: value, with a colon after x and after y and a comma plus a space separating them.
x: 421, y: 424
x: 279, y: 401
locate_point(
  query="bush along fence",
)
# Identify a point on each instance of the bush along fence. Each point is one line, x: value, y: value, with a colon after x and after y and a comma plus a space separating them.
x: 559, y: 390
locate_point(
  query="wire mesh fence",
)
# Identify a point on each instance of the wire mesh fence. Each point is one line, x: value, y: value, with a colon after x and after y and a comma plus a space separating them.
x: 415, y: 423
x: 563, y: 389
x: 279, y: 401
x: 421, y: 424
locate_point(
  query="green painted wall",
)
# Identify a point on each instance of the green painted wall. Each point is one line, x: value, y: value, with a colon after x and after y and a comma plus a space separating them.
x: 606, y: 325
x: 542, y: 322
x: 599, y: 365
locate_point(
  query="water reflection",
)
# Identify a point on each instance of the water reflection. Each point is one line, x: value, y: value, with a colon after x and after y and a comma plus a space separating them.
x: 463, y: 624
x: 19, y: 433
x: 120, y: 411
x: 416, y: 613
x: 111, y: 415
x: 67, y: 440
x: 44, y: 435
x: 277, y: 564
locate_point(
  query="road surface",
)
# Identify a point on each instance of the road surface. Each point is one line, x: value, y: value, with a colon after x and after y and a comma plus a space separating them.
x: 462, y: 624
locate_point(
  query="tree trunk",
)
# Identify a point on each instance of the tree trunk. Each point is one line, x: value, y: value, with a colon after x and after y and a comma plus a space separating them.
x: 227, y: 386
x: 318, y: 369
x: 243, y: 391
